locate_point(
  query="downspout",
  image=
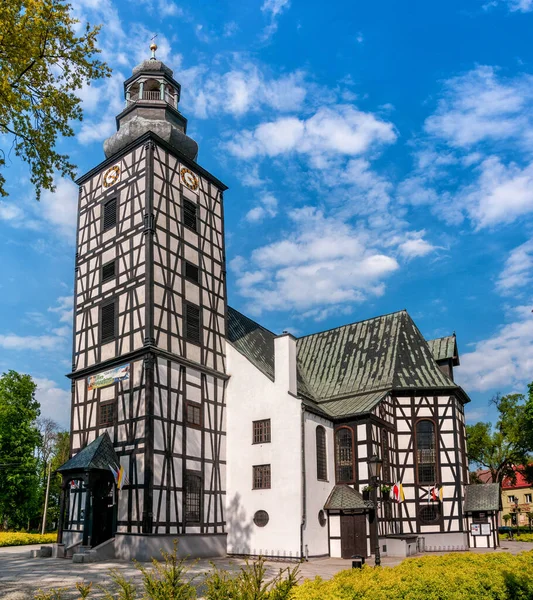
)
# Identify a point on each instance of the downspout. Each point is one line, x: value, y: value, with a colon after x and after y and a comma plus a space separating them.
x: 304, y: 491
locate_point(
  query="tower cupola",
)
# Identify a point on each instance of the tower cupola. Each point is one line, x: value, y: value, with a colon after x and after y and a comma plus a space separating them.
x: 152, y: 97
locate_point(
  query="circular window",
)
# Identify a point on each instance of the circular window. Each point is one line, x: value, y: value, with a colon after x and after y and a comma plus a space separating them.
x: 322, y: 518
x: 429, y: 514
x: 261, y: 518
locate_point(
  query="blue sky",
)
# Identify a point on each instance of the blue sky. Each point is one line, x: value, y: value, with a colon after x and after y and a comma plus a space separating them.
x: 379, y: 156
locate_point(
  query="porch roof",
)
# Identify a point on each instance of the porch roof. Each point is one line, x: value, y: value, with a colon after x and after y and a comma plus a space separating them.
x: 344, y: 497
x: 98, y: 455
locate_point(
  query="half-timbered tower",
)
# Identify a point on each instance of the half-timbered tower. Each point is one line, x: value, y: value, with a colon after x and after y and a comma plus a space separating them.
x: 149, y: 335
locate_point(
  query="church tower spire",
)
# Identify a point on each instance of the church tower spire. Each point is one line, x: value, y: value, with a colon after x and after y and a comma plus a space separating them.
x: 152, y: 97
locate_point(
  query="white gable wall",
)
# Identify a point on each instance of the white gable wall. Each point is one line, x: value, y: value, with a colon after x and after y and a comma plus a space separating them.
x: 252, y: 396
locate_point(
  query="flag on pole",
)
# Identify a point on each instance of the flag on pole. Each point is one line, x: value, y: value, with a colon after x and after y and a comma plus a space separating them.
x: 119, y: 475
x: 436, y: 493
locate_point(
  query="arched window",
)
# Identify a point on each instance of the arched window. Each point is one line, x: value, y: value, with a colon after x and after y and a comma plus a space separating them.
x: 344, y: 455
x: 321, y: 459
x: 426, y: 452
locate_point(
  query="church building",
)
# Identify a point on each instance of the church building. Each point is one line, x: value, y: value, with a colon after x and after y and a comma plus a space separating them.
x: 191, y: 421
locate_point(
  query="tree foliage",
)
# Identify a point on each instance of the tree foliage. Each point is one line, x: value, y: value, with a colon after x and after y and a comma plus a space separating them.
x: 19, y: 439
x: 508, y: 443
x: 43, y: 62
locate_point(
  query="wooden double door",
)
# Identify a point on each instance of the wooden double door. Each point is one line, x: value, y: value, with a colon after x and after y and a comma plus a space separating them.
x: 353, y: 535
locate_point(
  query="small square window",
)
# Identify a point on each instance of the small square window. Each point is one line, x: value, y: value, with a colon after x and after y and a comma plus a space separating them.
x: 261, y: 431
x: 107, y: 413
x: 261, y: 474
x: 110, y: 214
x: 193, y: 328
x: 108, y: 271
x: 194, y: 414
x: 528, y: 499
x: 107, y: 322
x: 192, y: 272
x: 190, y: 213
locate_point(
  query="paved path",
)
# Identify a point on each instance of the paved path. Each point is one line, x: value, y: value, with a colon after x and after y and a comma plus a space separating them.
x: 21, y: 576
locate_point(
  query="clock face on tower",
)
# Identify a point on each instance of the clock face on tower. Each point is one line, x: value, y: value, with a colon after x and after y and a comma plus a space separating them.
x: 189, y: 179
x: 111, y: 176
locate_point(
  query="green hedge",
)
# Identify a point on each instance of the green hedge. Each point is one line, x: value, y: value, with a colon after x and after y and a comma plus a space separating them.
x: 465, y: 576
x: 12, y: 538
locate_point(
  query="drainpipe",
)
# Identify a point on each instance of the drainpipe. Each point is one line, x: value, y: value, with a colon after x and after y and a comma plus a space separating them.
x: 304, y: 491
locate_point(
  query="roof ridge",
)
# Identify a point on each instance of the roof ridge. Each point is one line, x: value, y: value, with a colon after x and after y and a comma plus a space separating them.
x: 255, y: 322
x: 403, y: 310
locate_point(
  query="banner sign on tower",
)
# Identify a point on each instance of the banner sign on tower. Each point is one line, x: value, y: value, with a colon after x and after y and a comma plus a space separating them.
x: 109, y: 377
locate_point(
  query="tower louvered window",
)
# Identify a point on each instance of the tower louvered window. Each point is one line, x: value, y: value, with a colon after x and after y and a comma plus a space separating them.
x: 193, y: 498
x: 426, y: 452
x: 192, y: 272
x: 110, y: 214
x: 344, y: 455
x: 107, y: 323
x: 190, y: 210
x: 192, y: 323
x: 108, y: 271
x: 321, y: 459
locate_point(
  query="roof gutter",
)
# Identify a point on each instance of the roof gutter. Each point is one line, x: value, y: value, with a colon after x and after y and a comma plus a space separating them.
x: 304, y: 491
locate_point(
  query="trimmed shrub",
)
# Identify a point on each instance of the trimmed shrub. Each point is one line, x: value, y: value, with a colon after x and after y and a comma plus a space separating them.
x: 12, y: 538
x: 465, y: 576
x: 521, y: 537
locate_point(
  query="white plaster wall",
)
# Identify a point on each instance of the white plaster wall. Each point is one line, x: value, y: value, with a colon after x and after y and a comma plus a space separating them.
x: 252, y: 396
x: 316, y: 536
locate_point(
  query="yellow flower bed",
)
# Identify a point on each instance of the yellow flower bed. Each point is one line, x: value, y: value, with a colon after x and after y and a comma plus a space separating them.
x: 464, y: 576
x: 523, y: 537
x: 12, y: 538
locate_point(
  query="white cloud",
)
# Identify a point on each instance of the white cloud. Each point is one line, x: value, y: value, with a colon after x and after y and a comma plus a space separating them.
x: 340, y: 129
x: 415, y: 247
x: 60, y: 208
x: 244, y: 87
x: 322, y: 263
x: 230, y: 29
x: 518, y: 270
x: 478, y: 106
x: 11, y: 341
x: 504, y: 361
x: 10, y: 211
x: 500, y: 195
x: 267, y: 207
x: 54, y: 401
x: 64, y: 309
x: 273, y: 9
x: 518, y: 5
x: 169, y: 9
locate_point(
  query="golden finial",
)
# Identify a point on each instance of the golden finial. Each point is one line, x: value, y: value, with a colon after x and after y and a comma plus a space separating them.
x: 153, y: 46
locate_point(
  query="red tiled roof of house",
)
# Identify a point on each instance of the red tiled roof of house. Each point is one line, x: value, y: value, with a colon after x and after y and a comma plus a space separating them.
x: 521, y: 481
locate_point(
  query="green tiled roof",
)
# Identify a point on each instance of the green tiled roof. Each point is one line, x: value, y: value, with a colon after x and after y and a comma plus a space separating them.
x: 348, y: 370
x: 252, y: 340
x: 444, y: 348
x: 378, y: 354
x: 344, y: 497
x: 98, y: 455
x: 482, y: 496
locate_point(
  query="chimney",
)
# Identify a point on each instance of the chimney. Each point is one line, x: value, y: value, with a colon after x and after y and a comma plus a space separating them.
x: 285, y: 362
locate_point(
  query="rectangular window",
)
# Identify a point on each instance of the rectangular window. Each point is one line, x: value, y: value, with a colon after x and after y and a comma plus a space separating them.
x: 261, y: 431
x: 190, y: 213
x: 192, y: 272
x: 110, y: 214
x: 192, y: 323
x: 107, y: 413
x: 107, y: 322
x: 194, y: 414
x: 511, y: 498
x: 193, y: 497
x: 108, y: 271
x: 261, y: 477
x: 528, y: 499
